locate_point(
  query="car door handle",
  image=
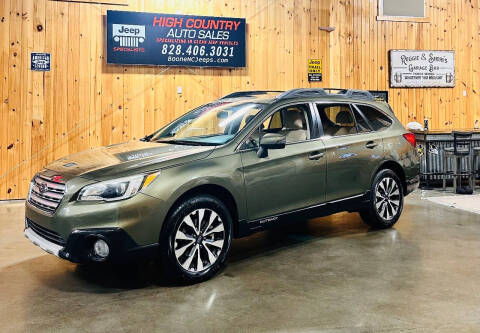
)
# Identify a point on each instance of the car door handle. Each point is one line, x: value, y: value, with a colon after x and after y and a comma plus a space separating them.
x: 371, y: 144
x: 315, y: 156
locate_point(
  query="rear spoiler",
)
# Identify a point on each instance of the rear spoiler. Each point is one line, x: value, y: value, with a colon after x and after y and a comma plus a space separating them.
x: 380, y: 95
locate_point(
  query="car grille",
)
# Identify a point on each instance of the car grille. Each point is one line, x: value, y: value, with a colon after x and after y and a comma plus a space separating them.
x: 46, y: 194
x: 49, y: 235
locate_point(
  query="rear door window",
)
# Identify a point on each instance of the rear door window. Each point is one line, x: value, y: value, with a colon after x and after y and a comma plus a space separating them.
x: 362, y: 125
x: 337, y: 119
x: 377, y: 119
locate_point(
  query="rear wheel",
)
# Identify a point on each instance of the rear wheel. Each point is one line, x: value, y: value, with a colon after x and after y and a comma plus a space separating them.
x: 386, y: 201
x: 197, y: 239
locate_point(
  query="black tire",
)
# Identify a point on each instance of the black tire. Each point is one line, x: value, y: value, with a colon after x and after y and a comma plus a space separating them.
x: 388, y: 212
x: 178, y: 233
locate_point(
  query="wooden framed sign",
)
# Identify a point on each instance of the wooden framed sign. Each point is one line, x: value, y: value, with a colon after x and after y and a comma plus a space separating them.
x: 422, y: 69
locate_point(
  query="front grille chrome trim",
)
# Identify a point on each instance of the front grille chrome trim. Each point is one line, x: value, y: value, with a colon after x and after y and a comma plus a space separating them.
x: 43, y: 202
x: 52, y: 185
x: 46, y: 194
x: 50, y: 195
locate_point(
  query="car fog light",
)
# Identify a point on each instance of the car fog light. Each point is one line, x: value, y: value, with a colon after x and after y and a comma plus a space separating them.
x: 100, y: 248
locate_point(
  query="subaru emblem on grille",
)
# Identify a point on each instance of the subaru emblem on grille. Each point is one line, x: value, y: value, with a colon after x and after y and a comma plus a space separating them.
x: 42, y: 188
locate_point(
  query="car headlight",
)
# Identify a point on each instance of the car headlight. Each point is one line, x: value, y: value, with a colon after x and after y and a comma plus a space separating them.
x: 116, y: 189
x: 30, y: 188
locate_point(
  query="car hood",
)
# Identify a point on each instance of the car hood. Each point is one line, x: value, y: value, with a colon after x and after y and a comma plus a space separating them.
x: 126, y: 158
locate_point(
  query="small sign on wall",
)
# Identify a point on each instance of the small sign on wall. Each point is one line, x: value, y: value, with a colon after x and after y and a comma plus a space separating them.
x: 422, y: 68
x: 314, y: 70
x: 40, y: 61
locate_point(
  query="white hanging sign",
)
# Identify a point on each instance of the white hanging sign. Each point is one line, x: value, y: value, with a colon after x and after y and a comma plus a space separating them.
x: 422, y: 69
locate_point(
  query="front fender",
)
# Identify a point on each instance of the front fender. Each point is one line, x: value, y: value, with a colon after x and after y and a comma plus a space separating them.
x: 223, y: 171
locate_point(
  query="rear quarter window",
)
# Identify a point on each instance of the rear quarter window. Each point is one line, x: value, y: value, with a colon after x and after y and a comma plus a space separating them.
x: 377, y: 119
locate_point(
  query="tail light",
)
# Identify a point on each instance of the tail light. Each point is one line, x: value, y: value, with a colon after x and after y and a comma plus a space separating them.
x: 410, y: 137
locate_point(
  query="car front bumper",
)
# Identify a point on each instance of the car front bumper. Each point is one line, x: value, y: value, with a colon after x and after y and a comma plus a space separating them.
x: 79, y: 246
x: 128, y: 227
x: 43, y: 243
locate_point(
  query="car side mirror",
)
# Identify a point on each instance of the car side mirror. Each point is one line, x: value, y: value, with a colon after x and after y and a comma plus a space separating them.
x: 270, y: 141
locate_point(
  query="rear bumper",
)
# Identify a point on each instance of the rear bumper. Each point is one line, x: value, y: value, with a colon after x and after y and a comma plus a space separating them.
x: 79, y: 246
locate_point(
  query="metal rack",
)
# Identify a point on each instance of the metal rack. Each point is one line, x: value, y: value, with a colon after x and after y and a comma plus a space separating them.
x: 432, y: 162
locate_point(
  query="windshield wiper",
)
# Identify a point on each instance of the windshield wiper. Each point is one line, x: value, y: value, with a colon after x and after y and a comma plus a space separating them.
x: 147, y: 138
x: 187, y: 142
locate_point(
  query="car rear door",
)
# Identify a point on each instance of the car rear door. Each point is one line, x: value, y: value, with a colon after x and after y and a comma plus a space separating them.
x: 287, y: 179
x: 353, y: 150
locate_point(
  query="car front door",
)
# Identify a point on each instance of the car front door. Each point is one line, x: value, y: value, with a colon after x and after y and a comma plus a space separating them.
x: 287, y: 179
x: 353, y: 150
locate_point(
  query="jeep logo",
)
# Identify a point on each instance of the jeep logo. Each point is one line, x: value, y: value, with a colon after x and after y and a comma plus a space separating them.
x: 126, y: 30
x: 128, y: 35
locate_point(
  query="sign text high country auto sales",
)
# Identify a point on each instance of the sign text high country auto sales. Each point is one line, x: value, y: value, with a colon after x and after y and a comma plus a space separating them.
x: 175, y: 40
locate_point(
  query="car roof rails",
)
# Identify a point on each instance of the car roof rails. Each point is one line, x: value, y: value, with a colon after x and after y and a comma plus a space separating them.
x: 351, y: 93
x: 323, y: 92
x: 303, y: 92
x: 370, y: 95
x: 252, y: 93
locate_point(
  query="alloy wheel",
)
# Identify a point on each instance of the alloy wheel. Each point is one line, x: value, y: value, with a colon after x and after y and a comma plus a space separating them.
x: 387, y: 198
x: 199, y: 240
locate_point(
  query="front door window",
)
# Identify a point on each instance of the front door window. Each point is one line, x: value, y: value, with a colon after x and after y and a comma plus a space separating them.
x: 292, y: 121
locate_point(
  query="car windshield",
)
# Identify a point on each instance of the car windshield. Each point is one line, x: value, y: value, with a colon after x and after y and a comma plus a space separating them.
x: 211, y: 124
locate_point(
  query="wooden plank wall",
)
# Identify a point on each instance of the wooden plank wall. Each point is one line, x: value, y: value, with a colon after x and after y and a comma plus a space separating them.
x: 83, y: 103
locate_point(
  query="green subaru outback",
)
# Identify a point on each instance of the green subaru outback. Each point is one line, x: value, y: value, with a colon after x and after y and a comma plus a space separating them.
x: 241, y: 164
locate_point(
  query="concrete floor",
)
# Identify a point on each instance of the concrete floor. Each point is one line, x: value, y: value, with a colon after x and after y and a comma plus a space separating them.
x: 331, y: 275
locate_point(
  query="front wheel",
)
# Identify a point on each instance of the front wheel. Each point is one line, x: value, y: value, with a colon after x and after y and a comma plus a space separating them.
x: 386, y: 201
x: 196, y: 240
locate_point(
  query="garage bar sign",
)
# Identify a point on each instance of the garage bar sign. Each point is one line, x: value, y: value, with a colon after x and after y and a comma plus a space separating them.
x: 135, y: 38
x: 417, y: 68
